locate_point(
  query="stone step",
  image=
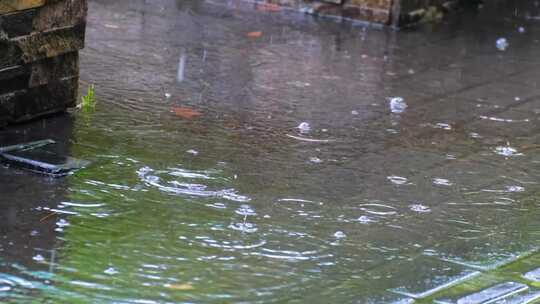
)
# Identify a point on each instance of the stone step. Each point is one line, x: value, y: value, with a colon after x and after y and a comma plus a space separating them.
x: 493, y: 294
x: 521, y: 298
x: 533, y: 275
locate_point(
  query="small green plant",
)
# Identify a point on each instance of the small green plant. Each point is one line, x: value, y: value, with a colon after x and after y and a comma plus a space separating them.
x: 89, y: 100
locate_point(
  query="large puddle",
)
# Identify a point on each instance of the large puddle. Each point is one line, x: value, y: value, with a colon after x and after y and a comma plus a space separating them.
x: 269, y: 157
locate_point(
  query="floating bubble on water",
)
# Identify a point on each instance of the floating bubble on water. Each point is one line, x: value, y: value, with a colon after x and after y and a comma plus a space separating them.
x: 38, y: 258
x: 217, y: 205
x: 315, y: 160
x: 364, y: 219
x: 192, y: 152
x: 502, y: 44
x: 244, y: 227
x: 6, y: 285
x: 397, y: 180
x: 62, y: 223
x: 397, y: 105
x: 444, y: 126
x: 515, y: 189
x: 340, y: 235
x: 299, y: 84
x: 111, y: 271
x: 475, y: 135
x: 378, y: 209
x: 442, y: 182
x: 304, y: 127
x: 245, y: 210
x: 506, y: 151
x: 419, y: 208
x: 354, y: 112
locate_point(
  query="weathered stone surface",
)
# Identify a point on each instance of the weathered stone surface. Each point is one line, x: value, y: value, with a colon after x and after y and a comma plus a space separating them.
x: 39, y: 41
x: 55, y: 15
x: 7, y: 6
x: 27, y: 104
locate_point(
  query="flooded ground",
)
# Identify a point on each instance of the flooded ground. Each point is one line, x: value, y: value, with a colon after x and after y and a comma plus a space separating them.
x: 416, y: 162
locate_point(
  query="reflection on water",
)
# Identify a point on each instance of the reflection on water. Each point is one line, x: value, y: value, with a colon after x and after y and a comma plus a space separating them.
x: 328, y: 161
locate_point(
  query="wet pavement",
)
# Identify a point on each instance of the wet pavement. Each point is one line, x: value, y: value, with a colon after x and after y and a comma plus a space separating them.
x: 414, y: 173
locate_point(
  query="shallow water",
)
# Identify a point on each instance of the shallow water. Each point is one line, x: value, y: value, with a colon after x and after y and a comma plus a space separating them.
x: 240, y: 205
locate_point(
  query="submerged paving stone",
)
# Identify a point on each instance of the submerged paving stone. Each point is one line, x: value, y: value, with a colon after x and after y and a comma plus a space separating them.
x: 427, y: 275
x: 35, y: 156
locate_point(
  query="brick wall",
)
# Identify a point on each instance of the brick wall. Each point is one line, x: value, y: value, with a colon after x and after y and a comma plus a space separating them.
x: 39, y: 43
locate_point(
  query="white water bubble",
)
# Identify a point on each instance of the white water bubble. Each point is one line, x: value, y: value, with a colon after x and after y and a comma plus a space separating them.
x: 340, y: 235
x: 245, y: 210
x: 475, y: 135
x: 444, y: 126
x: 502, y: 44
x: 304, y: 127
x: 364, y: 219
x: 419, y: 208
x: 506, y: 151
x: 397, y: 105
x: 110, y: 271
x: 515, y: 189
x: 442, y: 182
x: 315, y: 160
x: 397, y: 180
x: 192, y: 152
x: 38, y: 258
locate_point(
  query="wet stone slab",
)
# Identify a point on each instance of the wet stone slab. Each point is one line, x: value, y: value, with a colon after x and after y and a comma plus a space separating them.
x: 530, y: 296
x: 533, y: 275
x: 491, y: 294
